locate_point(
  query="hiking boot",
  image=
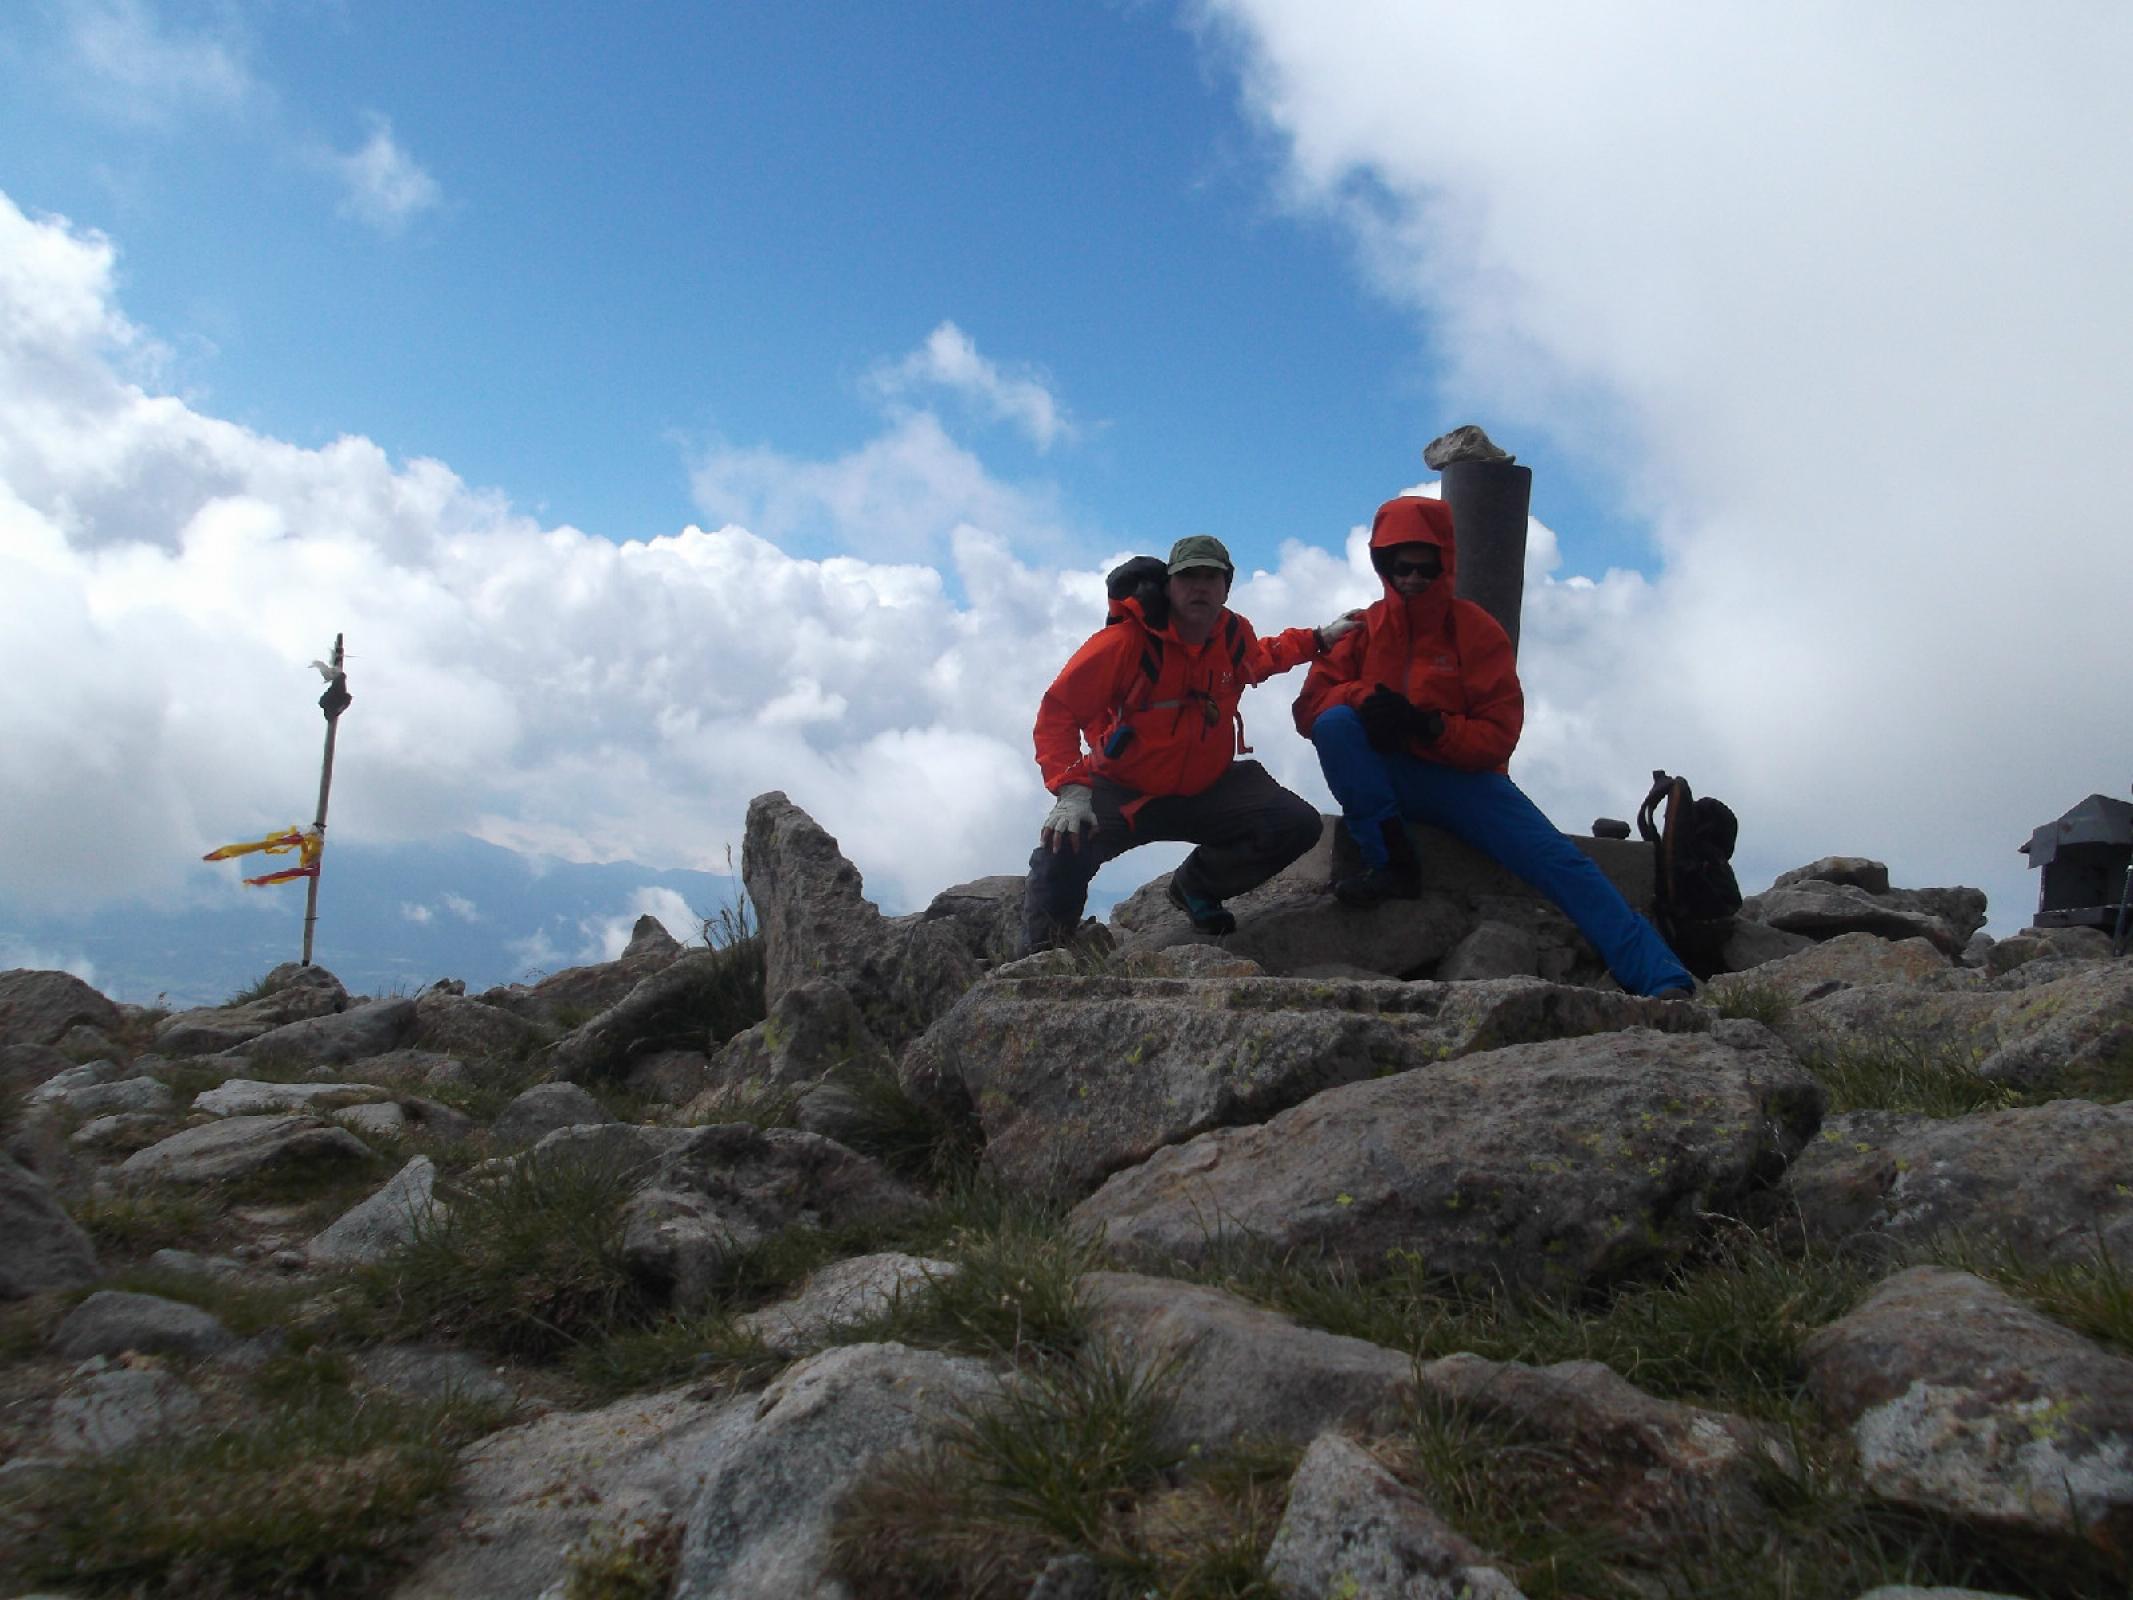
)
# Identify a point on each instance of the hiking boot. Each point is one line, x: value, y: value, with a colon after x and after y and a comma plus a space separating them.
x: 1400, y: 878
x: 1374, y: 885
x: 1206, y: 914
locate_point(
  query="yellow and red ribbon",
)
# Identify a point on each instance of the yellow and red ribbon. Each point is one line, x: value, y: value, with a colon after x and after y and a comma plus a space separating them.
x: 309, y: 842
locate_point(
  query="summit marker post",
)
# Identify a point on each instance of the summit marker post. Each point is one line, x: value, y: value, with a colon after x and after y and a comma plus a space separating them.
x: 333, y: 702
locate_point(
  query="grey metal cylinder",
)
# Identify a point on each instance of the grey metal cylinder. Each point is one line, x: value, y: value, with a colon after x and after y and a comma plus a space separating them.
x: 1490, y: 501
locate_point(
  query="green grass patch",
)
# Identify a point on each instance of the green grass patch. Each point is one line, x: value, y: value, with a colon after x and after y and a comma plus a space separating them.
x: 2093, y: 1295
x: 246, y: 1306
x: 131, y: 1223
x: 708, y: 1348
x: 910, y: 1138
x: 1754, y: 999
x: 1893, y: 1074
x: 1016, y: 1289
x: 636, y: 1560
x: 525, y: 1266
x: 732, y: 996
x: 317, y: 1492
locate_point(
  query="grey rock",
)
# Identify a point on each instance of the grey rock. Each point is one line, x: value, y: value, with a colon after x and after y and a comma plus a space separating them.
x: 85, y: 1043
x: 1818, y: 970
x: 58, y: 1089
x: 1464, y: 443
x: 813, y: 1029
x: 1823, y: 910
x: 293, y: 994
x: 568, y: 997
x: 1566, y: 1163
x: 406, y: 1069
x: 45, y: 1249
x: 433, y: 1372
x: 1352, y: 1529
x: 1858, y: 871
x: 39, y: 1006
x: 984, y: 915
x: 240, y: 1147
x: 665, y: 1011
x: 1190, y: 961
x: 1978, y: 952
x: 1492, y: 950
x: 452, y: 1025
x: 1905, y: 1591
x: 668, y: 1077
x: 1961, y: 908
x: 1073, y: 1576
x: 1072, y: 1079
x: 25, y: 1066
x: 116, y: 1096
x: 903, y: 972
x: 385, y: 1222
x: 113, y: 1321
x: 761, y: 1523
x: 189, y: 1264
x: 525, y: 1495
x: 368, y: 1029
x: 1965, y: 1403
x: 379, y: 1120
x: 243, y: 1097
x: 1238, y: 1372
x: 2040, y: 944
x: 845, y: 1295
x: 715, y: 1191
x: 114, y: 1408
x: 1753, y: 944
x: 2049, y: 1183
x: 544, y: 1108
x: 119, y: 1133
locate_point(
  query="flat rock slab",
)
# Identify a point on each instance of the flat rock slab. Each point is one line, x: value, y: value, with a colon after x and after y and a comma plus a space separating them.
x: 1354, y: 1530
x: 845, y: 1295
x: 1844, y: 962
x: 243, y: 1097
x: 240, y: 1147
x: 1565, y: 1163
x: 1073, y: 1079
x: 2051, y: 1182
x: 544, y: 1108
x: 1239, y: 1372
x: 297, y: 993
x: 1964, y: 1402
x: 383, y: 1223
x: 113, y: 1408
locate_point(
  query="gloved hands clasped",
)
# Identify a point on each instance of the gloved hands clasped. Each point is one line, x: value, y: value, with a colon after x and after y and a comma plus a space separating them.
x: 1073, y: 815
x: 1390, y: 720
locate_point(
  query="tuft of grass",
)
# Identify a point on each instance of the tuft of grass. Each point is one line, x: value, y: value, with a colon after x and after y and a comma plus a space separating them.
x: 910, y: 1138
x: 633, y: 1560
x: 1896, y: 1074
x: 1017, y: 1288
x: 130, y: 1223
x: 258, y: 989
x: 527, y: 1266
x: 677, y: 1349
x: 317, y: 1492
x: 733, y: 997
x: 1047, y: 1467
x: 1756, y: 1000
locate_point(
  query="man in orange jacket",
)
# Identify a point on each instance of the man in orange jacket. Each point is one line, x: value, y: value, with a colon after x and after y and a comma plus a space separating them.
x: 1415, y: 716
x: 1138, y: 737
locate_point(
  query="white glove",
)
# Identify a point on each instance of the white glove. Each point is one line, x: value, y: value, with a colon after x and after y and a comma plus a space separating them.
x: 1074, y: 812
x: 1339, y: 628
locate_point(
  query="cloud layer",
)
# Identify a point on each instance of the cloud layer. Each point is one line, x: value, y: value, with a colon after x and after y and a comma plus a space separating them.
x: 1843, y: 293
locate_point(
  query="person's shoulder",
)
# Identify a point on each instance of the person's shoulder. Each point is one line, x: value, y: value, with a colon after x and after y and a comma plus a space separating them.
x: 1475, y: 621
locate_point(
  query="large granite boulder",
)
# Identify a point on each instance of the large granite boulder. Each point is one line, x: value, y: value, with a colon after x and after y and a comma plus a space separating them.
x: 817, y: 923
x: 245, y: 1097
x: 1817, y: 970
x: 813, y: 1030
x: 1072, y: 1079
x: 1963, y: 1402
x: 667, y: 1010
x: 1822, y: 909
x: 38, y: 1007
x: 1563, y: 1164
x: 544, y: 1108
x: 453, y: 1025
x: 386, y: 1221
x: 568, y: 997
x: 370, y: 1028
x: 2048, y: 1183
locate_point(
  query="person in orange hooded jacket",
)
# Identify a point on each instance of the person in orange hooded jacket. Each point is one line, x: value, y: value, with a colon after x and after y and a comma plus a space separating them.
x: 1138, y: 737
x: 1415, y: 716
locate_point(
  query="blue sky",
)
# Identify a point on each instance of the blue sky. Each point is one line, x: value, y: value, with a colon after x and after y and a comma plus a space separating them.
x: 682, y: 401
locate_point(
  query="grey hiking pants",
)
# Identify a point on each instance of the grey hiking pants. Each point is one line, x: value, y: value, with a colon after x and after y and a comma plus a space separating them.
x: 1247, y: 827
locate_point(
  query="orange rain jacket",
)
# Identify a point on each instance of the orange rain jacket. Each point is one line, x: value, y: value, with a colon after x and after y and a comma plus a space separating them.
x: 1443, y: 654
x: 1180, y: 703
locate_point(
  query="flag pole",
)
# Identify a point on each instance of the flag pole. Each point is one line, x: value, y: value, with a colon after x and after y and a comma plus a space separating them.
x: 333, y: 702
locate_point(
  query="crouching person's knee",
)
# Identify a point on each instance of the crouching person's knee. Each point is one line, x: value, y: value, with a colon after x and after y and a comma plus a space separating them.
x: 1294, y: 830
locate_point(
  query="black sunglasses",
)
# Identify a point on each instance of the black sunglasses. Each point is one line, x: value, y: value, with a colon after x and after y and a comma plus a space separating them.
x: 1417, y: 569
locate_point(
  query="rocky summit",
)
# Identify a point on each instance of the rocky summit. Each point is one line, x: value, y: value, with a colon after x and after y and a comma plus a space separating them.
x: 1357, y: 1253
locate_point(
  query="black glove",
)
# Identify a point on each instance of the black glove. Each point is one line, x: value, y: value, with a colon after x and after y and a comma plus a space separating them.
x: 1426, y: 727
x: 1385, y: 716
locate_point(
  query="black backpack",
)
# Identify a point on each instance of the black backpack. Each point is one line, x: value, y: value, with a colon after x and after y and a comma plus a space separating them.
x: 1697, y: 894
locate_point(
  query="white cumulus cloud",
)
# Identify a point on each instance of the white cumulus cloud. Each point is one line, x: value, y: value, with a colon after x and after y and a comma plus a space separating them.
x: 383, y: 186
x: 129, y: 62
x: 949, y: 361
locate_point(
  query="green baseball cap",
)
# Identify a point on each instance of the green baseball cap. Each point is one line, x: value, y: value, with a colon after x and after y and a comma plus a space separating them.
x: 1200, y: 550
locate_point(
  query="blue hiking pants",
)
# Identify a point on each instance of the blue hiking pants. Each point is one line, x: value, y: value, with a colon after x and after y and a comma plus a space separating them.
x: 1491, y: 813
